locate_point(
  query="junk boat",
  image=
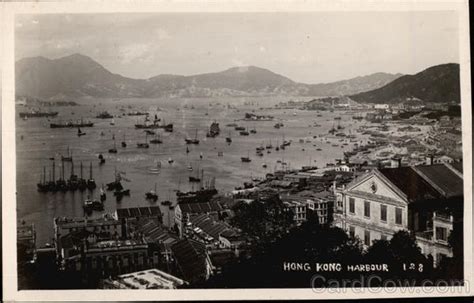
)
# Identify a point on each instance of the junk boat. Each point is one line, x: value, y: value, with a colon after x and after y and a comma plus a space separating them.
x: 80, y: 133
x: 152, y: 195
x: 192, y: 141
x: 143, y: 144
x: 214, y: 130
x: 156, y: 140
x: 246, y: 159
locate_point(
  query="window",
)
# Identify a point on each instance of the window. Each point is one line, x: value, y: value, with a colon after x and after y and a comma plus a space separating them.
x: 367, y: 209
x: 383, y: 213
x: 367, y: 238
x: 398, y: 216
x: 352, y: 205
x: 441, y: 234
x: 352, y: 231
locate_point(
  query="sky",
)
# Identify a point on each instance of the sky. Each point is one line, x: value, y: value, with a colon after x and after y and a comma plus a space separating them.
x: 315, y: 47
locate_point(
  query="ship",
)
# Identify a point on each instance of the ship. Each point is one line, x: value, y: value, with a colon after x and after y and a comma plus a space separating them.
x: 244, y: 133
x: 114, y: 149
x: 72, y: 124
x: 246, y: 159
x: 214, y: 130
x: 37, y: 114
x: 192, y: 141
x: 156, y: 140
x: 143, y: 144
x: 104, y: 115
x: 91, y: 182
x: 205, y: 194
x: 80, y: 133
x: 138, y: 113
x: 152, y: 195
x: 253, y: 131
x: 228, y: 139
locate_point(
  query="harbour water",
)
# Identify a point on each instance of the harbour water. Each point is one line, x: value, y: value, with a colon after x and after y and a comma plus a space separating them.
x: 36, y: 143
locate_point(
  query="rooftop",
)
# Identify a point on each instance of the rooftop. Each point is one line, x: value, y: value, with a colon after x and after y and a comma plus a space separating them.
x: 191, y: 258
x: 442, y: 178
x: 205, y: 207
x: 146, y: 279
x: 410, y: 183
x: 138, y: 212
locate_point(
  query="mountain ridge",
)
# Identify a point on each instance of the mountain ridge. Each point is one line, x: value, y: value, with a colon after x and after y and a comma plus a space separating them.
x: 439, y: 83
x: 78, y: 75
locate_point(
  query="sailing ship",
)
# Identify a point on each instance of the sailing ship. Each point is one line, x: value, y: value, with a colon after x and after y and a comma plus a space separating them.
x: 228, y: 139
x: 144, y: 144
x: 67, y: 158
x: 246, y: 159
x: 79, y: 132
x: 91, y: 182
x: 196, y: 179
x: 114, y: 149
x: 214, y: 130
x: 192, y: 141
x: 156, y: 140
x: 152, y: 195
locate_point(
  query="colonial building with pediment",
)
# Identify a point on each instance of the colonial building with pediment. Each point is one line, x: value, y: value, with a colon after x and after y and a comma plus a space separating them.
x: 426, y: 200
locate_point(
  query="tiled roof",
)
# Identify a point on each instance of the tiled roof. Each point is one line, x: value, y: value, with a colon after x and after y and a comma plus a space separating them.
x: 138, y: 212
x: 410, y: 183
x: 442, y: 178
x: 198, y: 208
x: 190, y: 256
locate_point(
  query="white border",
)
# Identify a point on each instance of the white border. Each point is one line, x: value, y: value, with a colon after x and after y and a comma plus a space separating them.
x: 8, y: 11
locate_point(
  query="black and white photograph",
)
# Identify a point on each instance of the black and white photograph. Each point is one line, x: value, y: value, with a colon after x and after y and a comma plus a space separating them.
x: 238, y: 150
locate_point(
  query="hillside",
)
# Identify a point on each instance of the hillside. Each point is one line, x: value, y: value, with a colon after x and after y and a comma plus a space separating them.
x: 78, y: 75
x: 436, y: 84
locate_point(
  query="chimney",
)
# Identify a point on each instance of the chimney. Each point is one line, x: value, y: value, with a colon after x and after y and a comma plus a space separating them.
x: 431, y: 159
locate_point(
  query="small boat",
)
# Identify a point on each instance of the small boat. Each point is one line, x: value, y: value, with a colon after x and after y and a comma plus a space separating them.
x: 170, y: 161
x: 124, y: 143
x: 190, y: 168
x: 80, y: 133
x: 114, y: 149
x: 150, y: 132
x: 246, y: 159
x: 264, y: 165
x: 156, y: 140
x: 253, y: 131
x: 200, y: 156
x: 101, y: 159
x: 144, y: 144
x: 187, y: 150
x: 152, y: 195
x: 192, y: 141
x: 244, y: 133
x: 166, y: 203
x: 103, y: 195
x: 239, y: 128
x: 112, y: 122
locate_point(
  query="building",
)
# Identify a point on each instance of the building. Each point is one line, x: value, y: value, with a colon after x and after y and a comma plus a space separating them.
x: 298, y: 209
x: 26, y: 242
x: 146, y: 279
x: 183, y: 211
x: 215, y: 234
x: 192, y: 261
x: 425, y: 200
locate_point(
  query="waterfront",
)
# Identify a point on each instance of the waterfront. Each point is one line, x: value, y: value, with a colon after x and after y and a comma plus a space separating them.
x: 40, y: 142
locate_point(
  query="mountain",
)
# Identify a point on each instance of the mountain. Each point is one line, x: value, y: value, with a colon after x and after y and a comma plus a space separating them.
x: 75, y: 75
x: 439, y: 83
x: 354, y: 85
x: 78, y: 75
